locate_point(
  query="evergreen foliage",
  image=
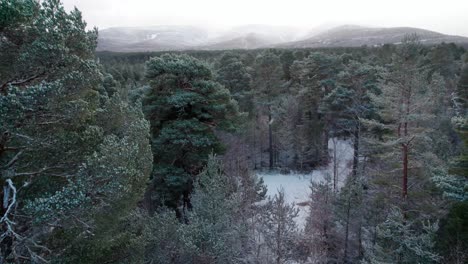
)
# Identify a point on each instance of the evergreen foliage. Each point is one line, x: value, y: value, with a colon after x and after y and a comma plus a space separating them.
x: 96, y: 158
x: 74, y: 161
x: 399, y: 242
x: 184, y: 106
x: 213, y: 234
x: 233, y: 74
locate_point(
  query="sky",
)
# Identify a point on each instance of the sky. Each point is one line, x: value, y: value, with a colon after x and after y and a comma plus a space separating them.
x: 447, y: 16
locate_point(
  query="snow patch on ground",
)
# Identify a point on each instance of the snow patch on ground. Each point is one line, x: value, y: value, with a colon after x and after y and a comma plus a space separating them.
x: 296, y: 185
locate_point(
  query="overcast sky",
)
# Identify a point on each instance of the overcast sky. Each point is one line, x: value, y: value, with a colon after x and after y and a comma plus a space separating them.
x: 446, y: 16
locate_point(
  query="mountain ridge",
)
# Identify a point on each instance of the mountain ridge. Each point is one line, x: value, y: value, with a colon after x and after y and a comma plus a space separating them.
x: 371, y: 36
x: 177, y: 38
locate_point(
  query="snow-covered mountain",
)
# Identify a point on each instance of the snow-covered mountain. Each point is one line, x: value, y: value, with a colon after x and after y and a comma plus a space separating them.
x: 166, y: 38
x: 157, y: 38
x: 355, y: 36
x: 161, y: 38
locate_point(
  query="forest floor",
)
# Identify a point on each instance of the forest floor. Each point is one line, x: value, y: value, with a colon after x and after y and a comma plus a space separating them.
x: 296, y: 185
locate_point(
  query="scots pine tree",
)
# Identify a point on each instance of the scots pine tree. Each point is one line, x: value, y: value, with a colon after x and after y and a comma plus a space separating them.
x: 351, y: 101
x: 279, y: 227
x: 185, y: 107
x: 407, y: 108
x: 313, y: 78
x: 74, y: 160
x: 212, y: 235
x: 233, y: 74
x: 267, y: 81
x: 402, y: 241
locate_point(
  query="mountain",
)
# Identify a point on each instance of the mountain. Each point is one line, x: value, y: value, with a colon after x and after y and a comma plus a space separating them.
x: 355, y: 36
x: 252, y: 37
x: 161, y: 38
x: 167, y: 38
x: 157, y: 38
x: 273, y: 33
x: 248, y: 41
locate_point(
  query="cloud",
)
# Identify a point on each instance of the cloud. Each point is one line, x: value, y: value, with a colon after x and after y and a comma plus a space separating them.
x: 448, y: 17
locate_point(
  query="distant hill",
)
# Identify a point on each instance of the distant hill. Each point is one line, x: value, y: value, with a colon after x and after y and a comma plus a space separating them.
x: 252, y: 37
x: 167, y: 38
x: 355, y: 36
x: 248, y: 41
x: 157, y: 38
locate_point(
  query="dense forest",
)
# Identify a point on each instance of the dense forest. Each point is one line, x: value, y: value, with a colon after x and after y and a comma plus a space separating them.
x: 154, y: 157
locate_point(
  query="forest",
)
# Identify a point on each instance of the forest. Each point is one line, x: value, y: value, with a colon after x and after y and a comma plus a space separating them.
x: 157, y: 157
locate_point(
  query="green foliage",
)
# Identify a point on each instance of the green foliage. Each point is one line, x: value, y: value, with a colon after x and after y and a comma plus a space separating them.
x: 460, y: 166
x: 320, y: 223
x: 233, y: 74
x: 287, y: 59
x: 184, y: 106
x: 74, y: 158
x: 182, y: 67
x: 213, y: 233
x: 444, y: 59
x: 312, y: 79
x: 399, y: 242
x: 279, y: 227
x: 351, y: 98
x: 463, y: 86
x: 349, y: 212
x: 267, y: 76
x: 452, y: 237
x: 453, y: 179
x: 36, y: 49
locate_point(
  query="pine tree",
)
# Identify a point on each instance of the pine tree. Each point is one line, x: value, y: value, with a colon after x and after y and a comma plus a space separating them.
x: 351, y: 101
x: 233, y: 74
x: 452, y: 236
x: 267, y: 81
x: 399, y: 242
x: 74, y: 161
x: 463, y: 84
x: 407, y: 110
x: 349, y: 213
x: 320, y: 229
x: 184, y: 106
x: 312, y: 78
x: 278, y: 227
x: 404, y: 157
x: 287, y: 59
x: 212, y: 235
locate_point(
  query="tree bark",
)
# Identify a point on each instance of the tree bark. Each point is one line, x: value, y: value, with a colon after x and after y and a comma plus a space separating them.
x: 270, y: 139
x: 325, y: 136
x: 405, y: 171
x: 355, y: 150
x: 255, y: 142
x: 405, y: 149
x: 348, y: 213
x: 335, y: 166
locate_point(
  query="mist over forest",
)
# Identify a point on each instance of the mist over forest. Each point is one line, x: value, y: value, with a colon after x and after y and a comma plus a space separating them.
x: 255, y: 144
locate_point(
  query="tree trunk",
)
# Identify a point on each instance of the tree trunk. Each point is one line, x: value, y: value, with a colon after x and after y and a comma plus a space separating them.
x: 361, y: 248
x: 278, y: 245
x: 260, y: 145
x: 270, y: 139
x: 147, y: 201
x: 356, y: 150
x: 405, y: 148
x: 348, y: 212
x: 325, y: 157
x: 335, y: 166
x: 255, y: 142
x: 405, y: 171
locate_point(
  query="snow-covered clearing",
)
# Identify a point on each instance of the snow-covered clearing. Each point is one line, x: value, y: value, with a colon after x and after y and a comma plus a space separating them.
x: 296, y: 186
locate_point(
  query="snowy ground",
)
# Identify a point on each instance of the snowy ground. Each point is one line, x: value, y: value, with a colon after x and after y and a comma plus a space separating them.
x: 296, y: 186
